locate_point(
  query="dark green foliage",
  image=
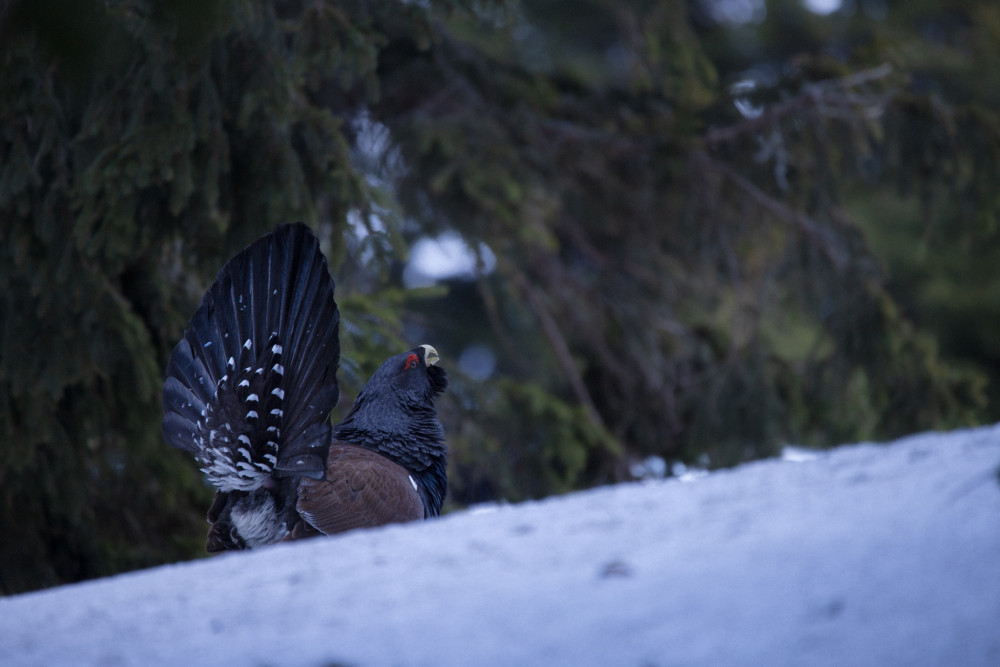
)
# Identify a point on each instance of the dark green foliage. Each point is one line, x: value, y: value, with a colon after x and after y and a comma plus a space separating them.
x: 123, y: 188
x: 674, y: 277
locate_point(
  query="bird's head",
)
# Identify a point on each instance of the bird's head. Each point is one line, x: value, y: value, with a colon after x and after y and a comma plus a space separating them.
x: 397, y: 405
x: 413, y: 376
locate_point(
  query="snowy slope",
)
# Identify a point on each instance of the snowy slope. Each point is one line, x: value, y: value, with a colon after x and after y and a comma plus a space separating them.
x: 865, y: 555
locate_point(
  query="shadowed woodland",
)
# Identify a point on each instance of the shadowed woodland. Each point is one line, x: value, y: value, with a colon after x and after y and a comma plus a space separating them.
x: 714, y: 226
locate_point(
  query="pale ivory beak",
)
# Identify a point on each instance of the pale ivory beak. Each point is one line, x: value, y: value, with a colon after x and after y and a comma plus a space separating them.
x: 430, y: 355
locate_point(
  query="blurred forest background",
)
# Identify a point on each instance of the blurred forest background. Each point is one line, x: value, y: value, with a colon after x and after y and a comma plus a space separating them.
x: 693, y: 230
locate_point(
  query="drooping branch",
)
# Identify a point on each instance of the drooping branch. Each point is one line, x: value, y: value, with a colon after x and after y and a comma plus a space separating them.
x: 831, y: 98
x: 559, y: 347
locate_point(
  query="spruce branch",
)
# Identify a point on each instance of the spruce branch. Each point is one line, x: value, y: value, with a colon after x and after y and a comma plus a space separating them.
x: 821, y: 237
x: 832, y: 98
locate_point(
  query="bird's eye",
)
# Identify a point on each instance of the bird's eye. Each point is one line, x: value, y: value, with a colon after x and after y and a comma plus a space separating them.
x: 411, y: 362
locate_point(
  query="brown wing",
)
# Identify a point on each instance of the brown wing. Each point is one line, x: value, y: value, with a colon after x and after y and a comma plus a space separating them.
x: 361, y: 489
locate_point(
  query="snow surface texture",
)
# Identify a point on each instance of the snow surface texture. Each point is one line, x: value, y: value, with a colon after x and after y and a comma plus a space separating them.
x: 863, y: 555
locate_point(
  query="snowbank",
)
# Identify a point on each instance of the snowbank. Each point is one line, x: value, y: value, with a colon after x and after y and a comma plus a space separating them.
x: 865, y: 555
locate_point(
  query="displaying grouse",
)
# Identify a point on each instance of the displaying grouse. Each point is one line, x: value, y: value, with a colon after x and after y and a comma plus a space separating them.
x: 249, y: 391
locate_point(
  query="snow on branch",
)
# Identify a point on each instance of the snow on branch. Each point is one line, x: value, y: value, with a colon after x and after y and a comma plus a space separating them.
x: 833, y: 98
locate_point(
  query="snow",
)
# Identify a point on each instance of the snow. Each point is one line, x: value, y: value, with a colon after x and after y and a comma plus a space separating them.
x: 863, y: 555
x: 446, y: 256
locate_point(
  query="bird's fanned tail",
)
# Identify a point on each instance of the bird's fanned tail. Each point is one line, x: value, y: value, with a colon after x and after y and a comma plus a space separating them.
x: 250, y: 387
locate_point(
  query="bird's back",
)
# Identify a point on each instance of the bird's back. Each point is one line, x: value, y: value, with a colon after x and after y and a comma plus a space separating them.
x: 361, y: 489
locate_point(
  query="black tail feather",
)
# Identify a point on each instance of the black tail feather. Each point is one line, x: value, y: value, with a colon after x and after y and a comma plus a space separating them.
x: 250, y: 388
